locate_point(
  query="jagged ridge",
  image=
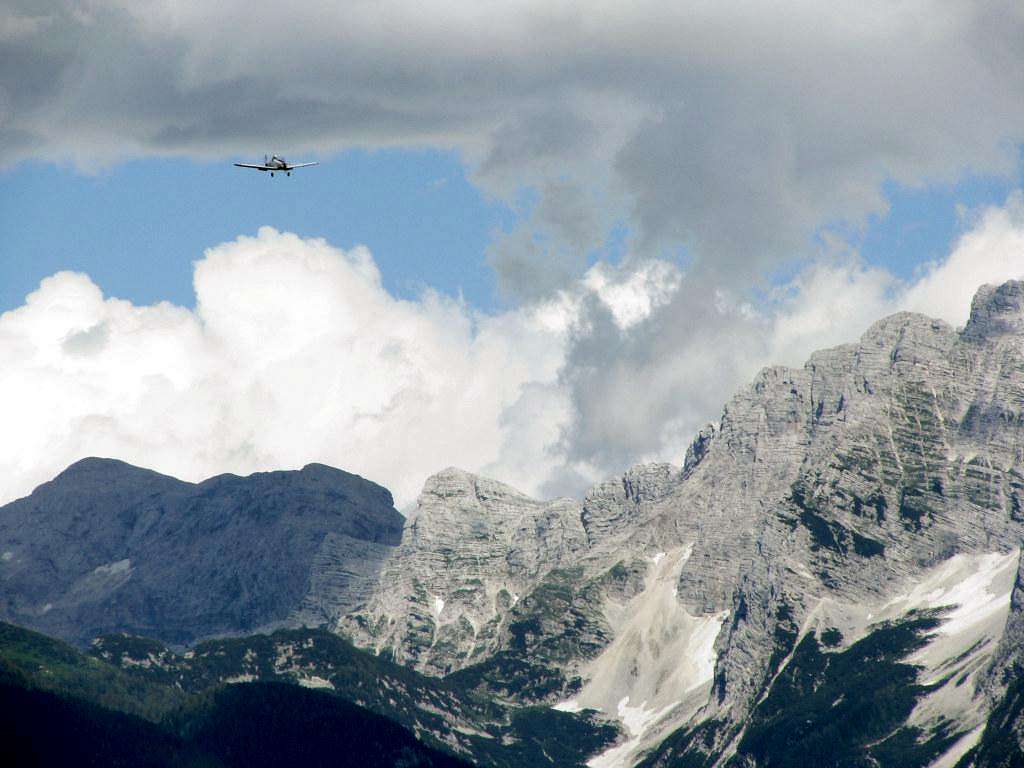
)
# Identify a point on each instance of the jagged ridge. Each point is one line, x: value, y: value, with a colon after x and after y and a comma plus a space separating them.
x: 822, y: 494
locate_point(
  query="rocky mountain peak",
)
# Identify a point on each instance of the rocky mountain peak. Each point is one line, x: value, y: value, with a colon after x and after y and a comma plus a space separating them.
x: 455, y: 504
x: 996, y: 311
x: 649, y: 481
x: 472, y: 547
x: 94, y: 471
x: 698, y: 448
x: 98, y: 465
x: 455, y: 483
x: 821, y: 490
x: 905, y: 337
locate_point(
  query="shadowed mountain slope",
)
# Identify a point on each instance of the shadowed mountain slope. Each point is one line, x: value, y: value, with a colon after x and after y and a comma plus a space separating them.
x: 107, y: 547
x: 206, y: 697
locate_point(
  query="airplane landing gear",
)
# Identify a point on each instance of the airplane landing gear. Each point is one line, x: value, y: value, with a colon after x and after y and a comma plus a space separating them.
x: 271, y: 174
x: 289, y: 173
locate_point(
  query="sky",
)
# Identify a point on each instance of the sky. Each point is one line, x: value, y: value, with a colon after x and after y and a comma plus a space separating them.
x: 546, y: 241
x: 137, y: 227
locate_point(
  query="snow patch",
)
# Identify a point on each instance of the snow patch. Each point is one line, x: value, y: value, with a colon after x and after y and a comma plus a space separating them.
x: 6, y: 557
x: 569, y: 705
x: 967, y: 582
x: 315, y: 682
x: 438, y: 606
x: 47, y: 608
x: 114, y: 569
x: 239, y: 679
x: 976, y: 591
x: 657, y: 558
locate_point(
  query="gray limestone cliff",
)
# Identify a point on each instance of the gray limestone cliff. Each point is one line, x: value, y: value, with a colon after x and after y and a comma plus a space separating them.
x: 470, y: 551
x: 820, y: 505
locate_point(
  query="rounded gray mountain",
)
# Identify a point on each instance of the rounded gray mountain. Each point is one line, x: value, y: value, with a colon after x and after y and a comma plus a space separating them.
x: 108, y: 547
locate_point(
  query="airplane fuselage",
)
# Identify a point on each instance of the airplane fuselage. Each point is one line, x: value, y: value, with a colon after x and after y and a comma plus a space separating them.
x: 273, y: 164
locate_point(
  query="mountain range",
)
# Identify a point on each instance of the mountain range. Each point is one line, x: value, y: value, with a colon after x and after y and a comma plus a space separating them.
x: 831, y: 576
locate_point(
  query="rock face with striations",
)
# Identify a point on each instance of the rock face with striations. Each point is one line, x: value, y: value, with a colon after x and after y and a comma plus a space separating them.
x: 470, y: 551
x: 873, y: 499
x: 107, y: 547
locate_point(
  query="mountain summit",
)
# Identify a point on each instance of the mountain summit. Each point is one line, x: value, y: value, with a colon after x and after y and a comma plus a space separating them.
x: 107, y: 547
x: 871, y: 499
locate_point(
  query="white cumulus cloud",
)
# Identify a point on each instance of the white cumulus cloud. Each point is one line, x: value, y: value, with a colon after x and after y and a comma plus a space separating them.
x: 296, y: 353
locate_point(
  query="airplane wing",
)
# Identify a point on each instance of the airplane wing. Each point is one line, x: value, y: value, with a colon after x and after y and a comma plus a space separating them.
x: 251, y: 165
x: 302, y: 165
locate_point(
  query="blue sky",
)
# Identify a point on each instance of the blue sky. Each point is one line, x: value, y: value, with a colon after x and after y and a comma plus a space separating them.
x: 727, y: 135
x: 922, y: 222
x: 136, y: 227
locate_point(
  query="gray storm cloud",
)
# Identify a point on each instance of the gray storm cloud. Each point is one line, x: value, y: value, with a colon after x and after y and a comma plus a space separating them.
x: 734, y: 129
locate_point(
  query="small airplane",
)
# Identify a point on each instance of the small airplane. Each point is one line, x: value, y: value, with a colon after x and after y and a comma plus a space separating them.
x: 275, y: 163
